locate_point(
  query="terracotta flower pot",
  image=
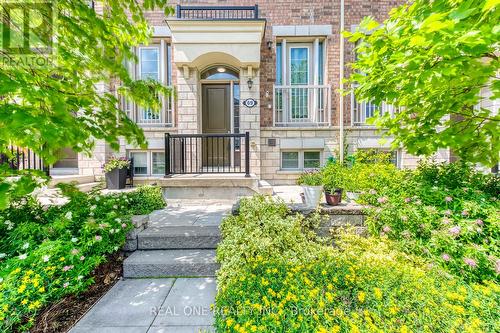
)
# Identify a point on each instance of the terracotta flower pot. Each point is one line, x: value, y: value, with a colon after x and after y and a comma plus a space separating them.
x: 333, y: 199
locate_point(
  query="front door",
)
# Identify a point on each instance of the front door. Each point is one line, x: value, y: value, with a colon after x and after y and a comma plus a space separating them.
x: 216, y: 115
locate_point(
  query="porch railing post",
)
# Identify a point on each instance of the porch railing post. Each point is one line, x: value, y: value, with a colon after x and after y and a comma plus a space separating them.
x: 178, y: 11
x: 247, y: 154
x: 167, y: 154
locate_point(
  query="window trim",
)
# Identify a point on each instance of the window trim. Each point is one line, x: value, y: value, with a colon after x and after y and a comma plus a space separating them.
x: 129, y: 154
x: 290, y: 151
x: 152, y: 167
x: 158, y: 60
x: 301, y: 159
x: 310, y: 70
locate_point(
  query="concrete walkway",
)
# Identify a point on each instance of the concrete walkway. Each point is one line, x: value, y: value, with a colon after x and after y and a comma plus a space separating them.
x: 168, y: 305
x: 148, y: 303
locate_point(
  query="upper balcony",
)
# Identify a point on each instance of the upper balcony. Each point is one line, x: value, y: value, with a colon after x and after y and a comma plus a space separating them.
x: 361, y: 111
x: 217, y: 13
x: 147, y: 117
x: 302, y: 106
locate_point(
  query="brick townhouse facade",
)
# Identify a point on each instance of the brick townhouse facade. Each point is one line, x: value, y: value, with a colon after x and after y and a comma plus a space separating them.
x: 269, y: 68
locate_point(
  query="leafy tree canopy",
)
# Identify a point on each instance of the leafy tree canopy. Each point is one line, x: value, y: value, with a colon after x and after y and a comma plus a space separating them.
x: 438, y: 61
x: 63, y: 103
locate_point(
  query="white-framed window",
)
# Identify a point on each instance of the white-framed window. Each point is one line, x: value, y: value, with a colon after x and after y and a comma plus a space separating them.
x: 148, y: 163
x: 140, y: 161
x: 290, y: 160
x: 300, y: 159
x: 312, y: 159
x: 158, y: 163
x: 299, y: 75
x: 149, y: 63
x: 149, y: 68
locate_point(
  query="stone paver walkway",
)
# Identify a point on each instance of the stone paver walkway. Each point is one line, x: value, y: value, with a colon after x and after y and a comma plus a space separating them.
x: 191, y: 212
x: 171, y: 304
x: 168, y: 305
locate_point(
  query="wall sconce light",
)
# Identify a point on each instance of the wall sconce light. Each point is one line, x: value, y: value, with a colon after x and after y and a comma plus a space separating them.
x: 269, y: 44
x: 250, y: 83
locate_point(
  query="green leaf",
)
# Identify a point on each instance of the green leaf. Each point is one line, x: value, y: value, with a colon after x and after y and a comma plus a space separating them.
x: 490, y: 4
x: 417, y: 40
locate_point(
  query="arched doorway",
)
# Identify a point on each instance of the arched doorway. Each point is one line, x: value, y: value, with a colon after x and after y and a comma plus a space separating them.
x: 220, y: 109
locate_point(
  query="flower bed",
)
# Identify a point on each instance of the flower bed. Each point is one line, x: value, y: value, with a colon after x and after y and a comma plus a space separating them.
x: 276, y: 276
x: 446, y: 213
x: 49, y: 253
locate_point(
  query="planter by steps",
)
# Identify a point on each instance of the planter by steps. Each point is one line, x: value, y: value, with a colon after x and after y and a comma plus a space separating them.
x: 116, y: 179
x: 312, y: 195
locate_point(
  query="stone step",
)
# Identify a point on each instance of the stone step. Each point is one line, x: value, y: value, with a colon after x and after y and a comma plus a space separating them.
x: 179, y: 237
x: 89, y: 186
x: 166, y: 263
x: 66, y: 179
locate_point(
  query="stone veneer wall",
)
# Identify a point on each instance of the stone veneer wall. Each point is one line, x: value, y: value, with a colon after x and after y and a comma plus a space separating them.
x: 356, y: 138
x: 271, y: 157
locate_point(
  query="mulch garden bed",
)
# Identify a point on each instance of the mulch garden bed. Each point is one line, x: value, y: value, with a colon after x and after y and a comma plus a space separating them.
x: 61, y: 316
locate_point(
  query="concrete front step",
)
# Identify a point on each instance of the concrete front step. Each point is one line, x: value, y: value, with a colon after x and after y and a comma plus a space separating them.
x: 179, y: 237
x: 166, y: 263
x: 89, y: 186
x: 66, y: 179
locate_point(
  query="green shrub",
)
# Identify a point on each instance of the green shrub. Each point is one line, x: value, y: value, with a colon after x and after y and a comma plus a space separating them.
x: 47, y: 253
x: 263, y: 229
x: 446, y: 213
x: 286, y: 282
x: 310, y: 178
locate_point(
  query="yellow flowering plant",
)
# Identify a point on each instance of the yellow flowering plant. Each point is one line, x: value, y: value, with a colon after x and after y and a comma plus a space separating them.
x: 287, y: 282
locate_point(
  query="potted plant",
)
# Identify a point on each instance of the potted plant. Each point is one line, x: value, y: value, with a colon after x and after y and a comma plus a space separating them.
x: 311, y: 182
x: 116, y: 172
x: 334, y: 180
x: 333, y: 195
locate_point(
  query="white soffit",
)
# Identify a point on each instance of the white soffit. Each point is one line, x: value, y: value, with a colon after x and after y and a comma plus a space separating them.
x: 302, y: 30
x: 161, y: 31
x: 199, y: 42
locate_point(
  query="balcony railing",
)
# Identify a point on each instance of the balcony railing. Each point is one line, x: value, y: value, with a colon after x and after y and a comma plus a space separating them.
x: 217, y: 12
x: 361, y: 111
x: 302, y: 105
x: 23, y: 159
x: 147, y: 117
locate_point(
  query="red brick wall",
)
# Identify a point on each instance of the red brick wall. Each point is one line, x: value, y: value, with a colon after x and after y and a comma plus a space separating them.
x: 302, y: 12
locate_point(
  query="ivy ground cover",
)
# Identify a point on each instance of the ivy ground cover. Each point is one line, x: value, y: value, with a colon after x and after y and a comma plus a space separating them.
x: 47, y: 253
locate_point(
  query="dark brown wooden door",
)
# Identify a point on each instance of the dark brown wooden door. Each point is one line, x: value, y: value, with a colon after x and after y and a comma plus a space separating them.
x: 216, y: 116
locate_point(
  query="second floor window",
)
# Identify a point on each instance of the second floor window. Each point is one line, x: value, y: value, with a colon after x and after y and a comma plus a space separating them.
x: 149, y: 68
x: 300, y: 94
x: 149, y: 63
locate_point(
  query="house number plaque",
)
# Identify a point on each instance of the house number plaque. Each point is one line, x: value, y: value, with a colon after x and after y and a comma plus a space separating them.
x: 249, y: 102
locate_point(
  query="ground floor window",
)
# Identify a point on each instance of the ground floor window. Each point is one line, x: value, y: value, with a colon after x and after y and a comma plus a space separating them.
x: 147, y: 163
x: 300, y: 159
x: 158, y: 163
x: 140, y: 160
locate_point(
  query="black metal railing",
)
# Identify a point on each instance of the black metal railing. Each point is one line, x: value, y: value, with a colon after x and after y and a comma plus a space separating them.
x: 207, y: 153
x: 23, y: 159
x: 217, y: 12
